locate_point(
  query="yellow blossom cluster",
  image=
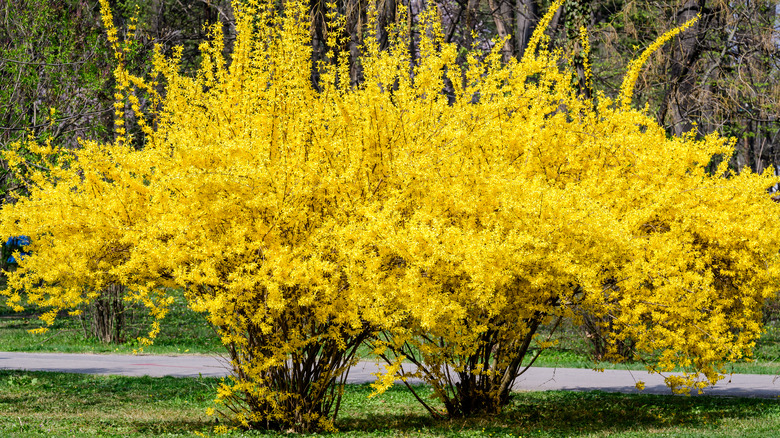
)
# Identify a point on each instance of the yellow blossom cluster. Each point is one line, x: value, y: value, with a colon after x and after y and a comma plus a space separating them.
x: 443, y: 212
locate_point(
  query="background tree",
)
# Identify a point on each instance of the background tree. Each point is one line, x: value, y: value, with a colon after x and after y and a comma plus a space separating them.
x: 58, y: 67
x: 54, y: 68
x: 717, y: 77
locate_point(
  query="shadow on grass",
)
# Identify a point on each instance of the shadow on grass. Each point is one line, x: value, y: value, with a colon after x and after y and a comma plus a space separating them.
x: 597, y: 411
x: 156, y: 428
x: 560, y: 413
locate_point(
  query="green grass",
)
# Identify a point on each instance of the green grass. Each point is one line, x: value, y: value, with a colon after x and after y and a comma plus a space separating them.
x: 572, y: 352
x: 72, y: 405
x: 36, y: 404
x: 182, y: 332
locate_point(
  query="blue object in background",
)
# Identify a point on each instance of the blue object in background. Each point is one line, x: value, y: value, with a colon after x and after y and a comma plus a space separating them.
x: 17, y: 243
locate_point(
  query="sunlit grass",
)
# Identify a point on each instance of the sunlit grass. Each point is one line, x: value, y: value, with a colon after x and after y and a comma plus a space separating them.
x: 182, y: 332
x: 36, y: 404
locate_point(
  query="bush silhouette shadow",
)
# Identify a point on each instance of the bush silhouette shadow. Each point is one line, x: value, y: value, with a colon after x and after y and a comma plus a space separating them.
x: 562, y: 413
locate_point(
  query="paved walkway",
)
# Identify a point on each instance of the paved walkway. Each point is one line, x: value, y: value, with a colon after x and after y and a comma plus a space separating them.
x: 535, y: 379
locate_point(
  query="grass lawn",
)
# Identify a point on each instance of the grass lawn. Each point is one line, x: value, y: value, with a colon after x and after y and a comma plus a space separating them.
x: 182, y: 332
x: 35, y: 404
x: 572, y: 352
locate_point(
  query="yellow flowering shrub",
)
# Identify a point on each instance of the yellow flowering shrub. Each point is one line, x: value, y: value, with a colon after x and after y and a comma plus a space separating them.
x: 304, y: 219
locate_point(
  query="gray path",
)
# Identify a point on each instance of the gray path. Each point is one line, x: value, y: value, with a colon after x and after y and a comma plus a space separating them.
x: 125, y: 365
x: 535, y: 379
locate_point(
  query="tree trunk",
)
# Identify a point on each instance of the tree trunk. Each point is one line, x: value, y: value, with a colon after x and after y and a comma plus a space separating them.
x: 386, y: 10
x: 679, y: 102
x: 501, y: 10
x: 317, y: 9
x: 526, y: 17
x: 107, y: 315
x: 471, y: 22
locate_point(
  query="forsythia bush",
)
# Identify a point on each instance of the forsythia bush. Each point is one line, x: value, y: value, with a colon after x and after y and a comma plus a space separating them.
x: 443, y: 227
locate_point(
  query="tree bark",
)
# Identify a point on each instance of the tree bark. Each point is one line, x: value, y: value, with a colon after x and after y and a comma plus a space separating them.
x: 386, y: 15
x: 678, y: 102
x: 501, y: 10
x: 108, y: 315
x: 471, y: 22
x: 526, y: 18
